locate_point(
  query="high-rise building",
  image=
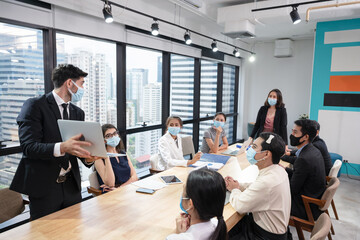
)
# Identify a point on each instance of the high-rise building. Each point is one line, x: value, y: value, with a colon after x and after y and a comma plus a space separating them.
x: 94, y: 100
x: 159, y: 69
x: 136, y: 79
x: 151, y: 103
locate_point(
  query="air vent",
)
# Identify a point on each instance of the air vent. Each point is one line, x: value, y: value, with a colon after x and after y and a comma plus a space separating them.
x: 240, y: 35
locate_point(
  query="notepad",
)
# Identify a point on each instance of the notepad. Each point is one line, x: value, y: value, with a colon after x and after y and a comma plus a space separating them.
x: 214, y: 158
x: 231, y: 152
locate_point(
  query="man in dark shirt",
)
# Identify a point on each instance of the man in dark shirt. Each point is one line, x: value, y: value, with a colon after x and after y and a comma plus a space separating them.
x: 308, y: 176
x: 320, y: 144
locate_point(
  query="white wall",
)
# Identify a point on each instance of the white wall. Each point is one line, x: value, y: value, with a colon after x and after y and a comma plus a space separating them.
x: 291, y: 75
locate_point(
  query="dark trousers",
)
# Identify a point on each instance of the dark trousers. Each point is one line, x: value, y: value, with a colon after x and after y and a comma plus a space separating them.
x: 247, y: 229
x: 61, y: 196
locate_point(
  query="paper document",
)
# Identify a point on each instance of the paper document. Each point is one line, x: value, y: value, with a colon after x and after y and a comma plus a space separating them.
x: 116, y: 154
x: 149, y: 184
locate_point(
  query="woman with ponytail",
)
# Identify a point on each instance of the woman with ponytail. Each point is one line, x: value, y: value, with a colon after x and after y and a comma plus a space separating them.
x: 202, y: 202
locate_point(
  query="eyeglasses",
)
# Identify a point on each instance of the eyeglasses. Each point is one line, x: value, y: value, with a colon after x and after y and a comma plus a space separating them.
x: 110, y: 135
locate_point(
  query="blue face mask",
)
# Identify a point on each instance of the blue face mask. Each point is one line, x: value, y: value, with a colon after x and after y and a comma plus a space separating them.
x: 219, y: 124
x: 272, y: 101
x: 181, y: 207
x: 75, y: 97
x: 250, y: 155
x: 113, y: 142
x: 174, y: 130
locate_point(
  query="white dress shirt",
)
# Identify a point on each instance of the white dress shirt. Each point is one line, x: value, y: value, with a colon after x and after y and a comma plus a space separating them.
x: 268, y: 198
x: 171, y: 154
x: 199, y: 231
x: 57, y: 152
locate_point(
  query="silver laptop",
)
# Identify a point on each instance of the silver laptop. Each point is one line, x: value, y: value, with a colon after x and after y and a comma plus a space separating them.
x: 90, y: 130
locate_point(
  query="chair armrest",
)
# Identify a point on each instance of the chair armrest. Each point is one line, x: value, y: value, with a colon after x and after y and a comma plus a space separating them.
x: 307, y: 200
x: 94, y: 191
x: 300, y: 225
x: 328, y: 178
x: 154, y: 171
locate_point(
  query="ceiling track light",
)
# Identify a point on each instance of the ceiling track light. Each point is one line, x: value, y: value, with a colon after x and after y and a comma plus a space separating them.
x: 155, y: 28
x: 236, y: 52
x: 295, y: 17
x: 155, y: 25
x: 107, y: 12
x: 252, y: 58
x: 187, y: 37
x: 214, y: 46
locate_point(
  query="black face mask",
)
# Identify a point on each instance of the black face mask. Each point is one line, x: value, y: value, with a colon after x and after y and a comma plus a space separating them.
x: 295, y: 141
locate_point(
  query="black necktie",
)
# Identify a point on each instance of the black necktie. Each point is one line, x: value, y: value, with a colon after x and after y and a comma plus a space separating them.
x: 65, y: 113
x: 65, y: 162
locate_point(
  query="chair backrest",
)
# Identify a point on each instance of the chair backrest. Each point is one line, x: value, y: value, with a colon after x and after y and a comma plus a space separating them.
x: 321, y: 228
x: 11, y: 204
x: 330, y: 192
x: 154, y: 161
x: 94, y: 182
x: 335, y: 168
x: 188, y: 146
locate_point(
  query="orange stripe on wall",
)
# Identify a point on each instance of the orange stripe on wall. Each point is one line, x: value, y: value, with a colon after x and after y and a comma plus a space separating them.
x: 345, y: 83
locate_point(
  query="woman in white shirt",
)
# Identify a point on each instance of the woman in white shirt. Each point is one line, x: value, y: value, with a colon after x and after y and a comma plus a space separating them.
x: 202, y: 200
x: 170, y: 146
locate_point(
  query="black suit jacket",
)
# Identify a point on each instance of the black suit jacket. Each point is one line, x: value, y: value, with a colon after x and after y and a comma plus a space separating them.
x: 319, y: 144
x: 38, y: 132
x: 280, y: 122
x: 308, y: 179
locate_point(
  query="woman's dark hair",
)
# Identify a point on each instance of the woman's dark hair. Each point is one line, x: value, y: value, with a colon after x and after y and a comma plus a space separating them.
x: 171, y: 118
x: 276, y: 146
x: 220, y: 113
x: 207, y: 190
x: 120, y: 147
x: 308, y: 127
x: 65, y: 71
x: 279, y: 102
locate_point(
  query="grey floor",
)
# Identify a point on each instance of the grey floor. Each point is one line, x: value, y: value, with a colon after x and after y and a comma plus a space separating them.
x: 347, y: 202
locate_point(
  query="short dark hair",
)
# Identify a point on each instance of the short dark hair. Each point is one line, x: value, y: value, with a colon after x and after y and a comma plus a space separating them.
x: 65, y: 71
x: 307, y: 127
x: 276, y: 146
x: 173, y: 117
x: 220, y: 113
x: 207, y: 190
x: 317, y: 125
x: 279, y: 101
x: 120, y: 147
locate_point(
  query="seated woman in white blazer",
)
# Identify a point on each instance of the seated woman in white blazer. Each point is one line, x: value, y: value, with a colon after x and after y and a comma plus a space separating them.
x: 170, y: 146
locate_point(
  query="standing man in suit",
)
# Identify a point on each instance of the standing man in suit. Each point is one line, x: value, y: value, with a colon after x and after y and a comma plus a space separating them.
x: 48, y: 171
x: 308, y: 176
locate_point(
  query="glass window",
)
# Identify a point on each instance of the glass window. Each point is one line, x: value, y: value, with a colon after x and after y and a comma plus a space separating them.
x: 187, y: 129
x: 182, y: 86
x: 229, y: 129
x: 208, y: 88
x: 21, y: 78
x: 140, y: 146
x: 98, y: 59
x: 228, y: 89
x: 8, y: 166
x: 143, y: 87
x: 21, y: 73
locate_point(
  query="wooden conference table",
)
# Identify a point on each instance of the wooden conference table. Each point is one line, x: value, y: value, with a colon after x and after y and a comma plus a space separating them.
x: 123, y: 213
